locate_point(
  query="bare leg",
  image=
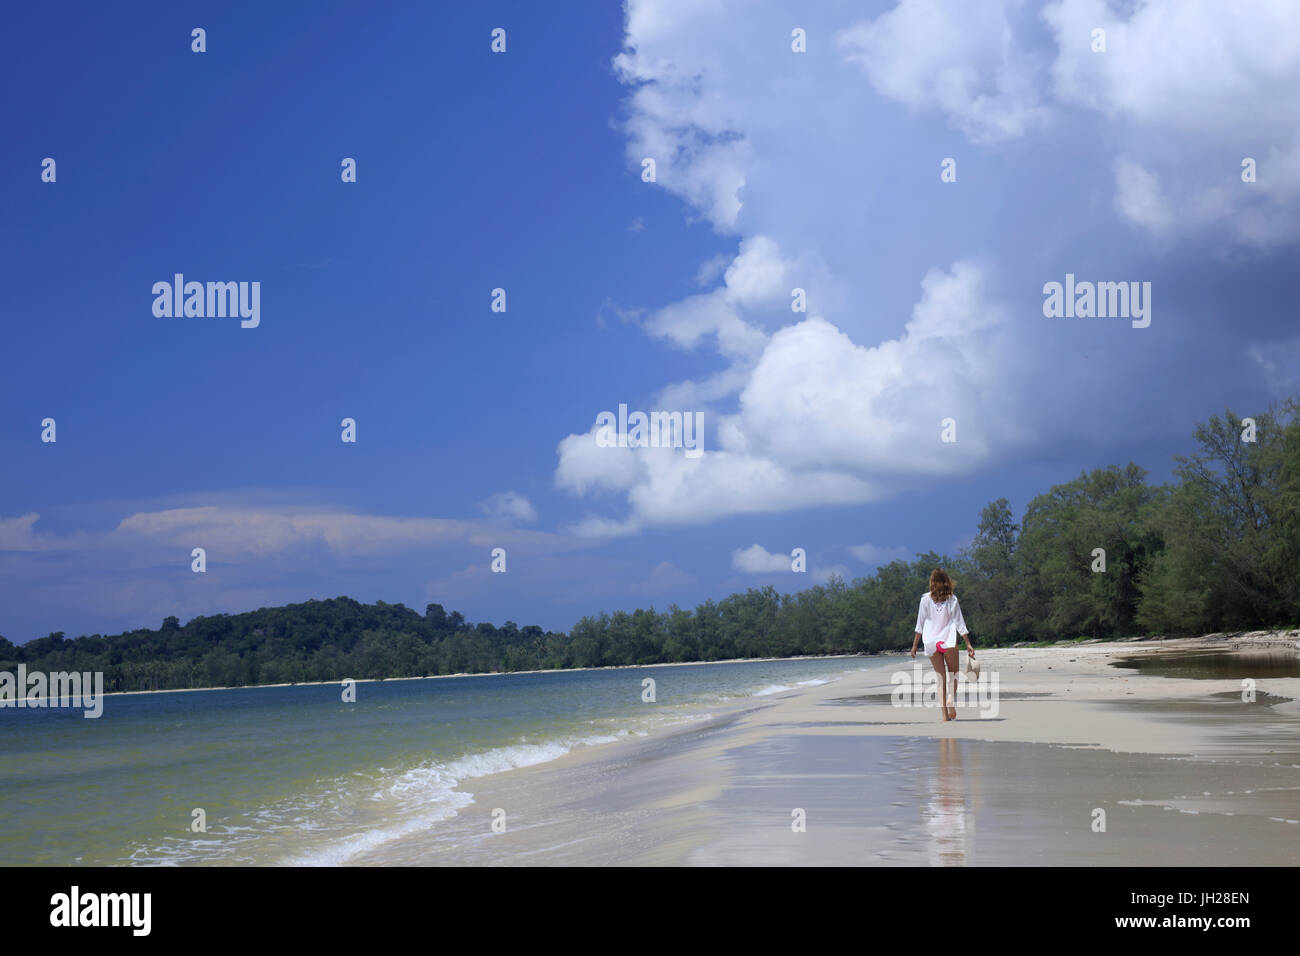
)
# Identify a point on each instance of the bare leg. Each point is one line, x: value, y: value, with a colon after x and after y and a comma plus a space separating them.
x: 953, y: 659
x: 937, y: 660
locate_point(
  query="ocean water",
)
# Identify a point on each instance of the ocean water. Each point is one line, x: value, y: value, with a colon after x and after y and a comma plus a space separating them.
x: 296, y: 776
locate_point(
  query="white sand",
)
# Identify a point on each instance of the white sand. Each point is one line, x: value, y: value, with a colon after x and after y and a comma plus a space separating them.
x: 1185, y: 770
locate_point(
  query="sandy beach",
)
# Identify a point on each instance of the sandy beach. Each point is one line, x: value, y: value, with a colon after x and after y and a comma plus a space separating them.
x: 1080, y: 762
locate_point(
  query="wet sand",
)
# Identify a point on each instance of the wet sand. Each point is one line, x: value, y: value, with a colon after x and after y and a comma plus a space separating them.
x: 1184, y: 771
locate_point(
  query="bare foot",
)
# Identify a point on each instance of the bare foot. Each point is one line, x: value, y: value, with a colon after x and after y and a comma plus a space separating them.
x: 953, y: 710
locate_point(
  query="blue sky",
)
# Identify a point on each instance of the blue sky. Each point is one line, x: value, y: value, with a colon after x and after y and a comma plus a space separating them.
x: 522, y: 170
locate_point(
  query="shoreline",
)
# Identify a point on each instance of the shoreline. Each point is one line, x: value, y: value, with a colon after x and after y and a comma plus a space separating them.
x: 1188, y: 746
x: 1240, y: 639
x: 711, y: 793
x: 550, y: 670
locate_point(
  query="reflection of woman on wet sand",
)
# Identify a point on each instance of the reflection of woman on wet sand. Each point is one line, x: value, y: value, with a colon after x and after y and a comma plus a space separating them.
x: 946, y: 814
x: 938, y: 623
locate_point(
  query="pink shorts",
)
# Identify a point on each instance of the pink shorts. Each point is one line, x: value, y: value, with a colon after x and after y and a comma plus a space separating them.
x: 947, y: 642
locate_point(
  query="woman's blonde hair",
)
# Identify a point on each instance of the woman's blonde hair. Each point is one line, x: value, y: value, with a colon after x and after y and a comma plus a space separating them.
x: 940, y: 585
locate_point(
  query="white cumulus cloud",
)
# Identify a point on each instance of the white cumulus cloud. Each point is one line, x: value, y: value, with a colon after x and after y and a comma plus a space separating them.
x: 960, y: 58
x: 757, y: 560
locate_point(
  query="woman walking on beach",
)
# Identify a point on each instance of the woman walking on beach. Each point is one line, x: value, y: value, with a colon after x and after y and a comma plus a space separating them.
x: 938, y: 624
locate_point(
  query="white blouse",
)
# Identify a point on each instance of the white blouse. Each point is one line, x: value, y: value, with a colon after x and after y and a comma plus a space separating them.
x: 935, y: 619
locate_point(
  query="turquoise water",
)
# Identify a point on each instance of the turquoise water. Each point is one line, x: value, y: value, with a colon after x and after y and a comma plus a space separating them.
x: 293, y: 775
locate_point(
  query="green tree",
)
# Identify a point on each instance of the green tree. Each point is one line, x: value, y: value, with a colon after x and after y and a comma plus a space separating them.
x: 988, y: 572
x: 1231, y: 553
x: 1061, y: 595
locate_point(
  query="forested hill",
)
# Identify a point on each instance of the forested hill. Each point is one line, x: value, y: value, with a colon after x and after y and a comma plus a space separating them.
x: 317, y: 640
x: 1105, y: 555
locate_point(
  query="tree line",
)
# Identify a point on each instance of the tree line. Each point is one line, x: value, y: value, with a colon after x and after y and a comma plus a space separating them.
x: 1103, y: 556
